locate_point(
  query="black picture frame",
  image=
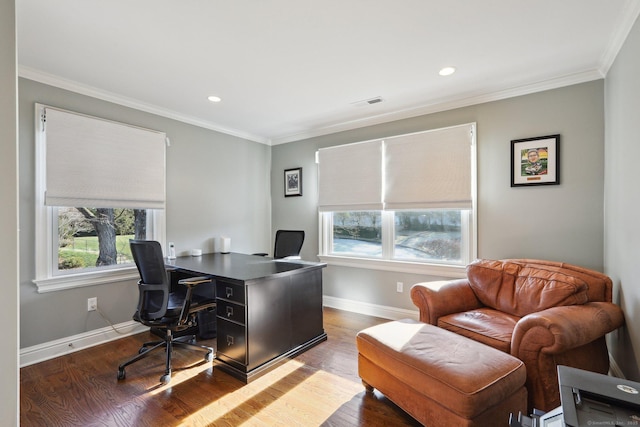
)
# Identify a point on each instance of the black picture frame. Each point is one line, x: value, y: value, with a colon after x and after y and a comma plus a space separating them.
x: 293, y: 182
x: 535, y: 161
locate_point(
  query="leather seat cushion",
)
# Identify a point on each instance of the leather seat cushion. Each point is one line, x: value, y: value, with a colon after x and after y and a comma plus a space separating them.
x: 521, y: 289
x: 486, y: 325
x: 462, y: 375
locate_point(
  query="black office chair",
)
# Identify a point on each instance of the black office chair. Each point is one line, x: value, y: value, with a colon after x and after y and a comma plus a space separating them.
x: 288, y: 244
x: 161, y: 308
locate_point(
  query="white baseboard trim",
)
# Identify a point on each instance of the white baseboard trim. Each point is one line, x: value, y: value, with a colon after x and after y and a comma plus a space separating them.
x: 382, y: 311
x: 49, y: 350
x: 60, y: 347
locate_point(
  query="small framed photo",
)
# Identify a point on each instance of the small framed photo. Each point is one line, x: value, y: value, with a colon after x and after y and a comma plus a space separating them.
x: 293, y: 182
x: 535, y: 161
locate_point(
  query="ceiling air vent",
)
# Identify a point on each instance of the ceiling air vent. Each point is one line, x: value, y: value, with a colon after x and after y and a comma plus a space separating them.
x: 371, y: 101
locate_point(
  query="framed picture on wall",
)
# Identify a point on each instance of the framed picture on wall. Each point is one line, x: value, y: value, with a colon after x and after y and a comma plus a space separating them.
x: 293, y: 182
x: 535, y: 161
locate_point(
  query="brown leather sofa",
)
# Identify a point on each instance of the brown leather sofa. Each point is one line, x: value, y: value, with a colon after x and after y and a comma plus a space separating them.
x: 544, y: 313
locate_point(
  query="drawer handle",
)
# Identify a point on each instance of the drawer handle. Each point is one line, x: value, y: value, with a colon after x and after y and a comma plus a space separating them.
x: 229, y: 311
x: 229, y: 340
x: 229, y: 292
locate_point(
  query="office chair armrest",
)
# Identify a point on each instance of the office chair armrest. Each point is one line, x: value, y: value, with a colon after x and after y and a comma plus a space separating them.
x: 194, y: 281
x: 190, y: 283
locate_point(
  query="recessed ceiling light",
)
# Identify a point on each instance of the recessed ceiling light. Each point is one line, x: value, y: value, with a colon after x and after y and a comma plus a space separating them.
x: 447, y: 71
x: 213, y: 98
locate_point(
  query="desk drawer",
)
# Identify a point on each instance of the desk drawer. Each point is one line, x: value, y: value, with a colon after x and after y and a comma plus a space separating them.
x: 230, y: 291
x: 230, y: 311
x: 231, y: 340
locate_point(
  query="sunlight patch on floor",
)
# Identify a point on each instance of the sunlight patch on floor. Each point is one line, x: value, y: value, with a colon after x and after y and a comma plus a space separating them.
x: 296, y: 408
x: 178, y: 377
x: 280, y: 397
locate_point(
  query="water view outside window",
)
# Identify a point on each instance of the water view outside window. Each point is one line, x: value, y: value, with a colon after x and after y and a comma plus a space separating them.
x: 424, y: 235
x: 358, y: 233
x: 433, y: 235
x: 90, y: 238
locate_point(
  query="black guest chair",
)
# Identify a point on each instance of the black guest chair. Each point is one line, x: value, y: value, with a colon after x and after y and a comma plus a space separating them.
x: 162, y: 308
x: 288, y: 244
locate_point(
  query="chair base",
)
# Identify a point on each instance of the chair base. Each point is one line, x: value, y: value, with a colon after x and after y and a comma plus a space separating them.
x: 168, y: 343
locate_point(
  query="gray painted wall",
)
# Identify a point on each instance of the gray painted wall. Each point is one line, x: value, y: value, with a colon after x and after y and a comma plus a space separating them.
x: 216, y: 185
x: 563, y: 222
x: 622, y: 197
x: 9, y: 385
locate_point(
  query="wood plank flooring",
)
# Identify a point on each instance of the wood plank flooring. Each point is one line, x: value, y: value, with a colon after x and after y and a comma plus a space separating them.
x: 320, y: 387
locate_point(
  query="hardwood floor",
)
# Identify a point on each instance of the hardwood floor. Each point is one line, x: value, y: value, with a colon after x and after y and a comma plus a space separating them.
x: 320, y: 387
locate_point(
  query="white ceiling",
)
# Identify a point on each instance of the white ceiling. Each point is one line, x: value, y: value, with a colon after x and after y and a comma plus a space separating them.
x: 290, y: 69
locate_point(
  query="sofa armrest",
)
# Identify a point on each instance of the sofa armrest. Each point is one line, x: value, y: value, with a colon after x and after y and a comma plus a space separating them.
x: 559, y: 329
x: 437, y: 299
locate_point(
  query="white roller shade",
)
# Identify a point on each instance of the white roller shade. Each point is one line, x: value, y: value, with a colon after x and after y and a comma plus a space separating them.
x: 350, y: 177
x: 92, y: 162
x: 429, y: 170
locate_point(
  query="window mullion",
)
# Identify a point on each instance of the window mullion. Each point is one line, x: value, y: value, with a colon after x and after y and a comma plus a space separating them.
x: 326, y: 236
x: 387, y: 234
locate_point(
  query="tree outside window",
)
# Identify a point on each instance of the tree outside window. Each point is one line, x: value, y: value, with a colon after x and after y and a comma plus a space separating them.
x: 97, y: 237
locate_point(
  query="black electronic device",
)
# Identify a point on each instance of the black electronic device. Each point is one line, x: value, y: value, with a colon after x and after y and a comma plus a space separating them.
x: 590, y: 399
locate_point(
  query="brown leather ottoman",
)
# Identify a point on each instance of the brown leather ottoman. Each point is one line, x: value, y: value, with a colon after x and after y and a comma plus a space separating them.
x: 441, y: 378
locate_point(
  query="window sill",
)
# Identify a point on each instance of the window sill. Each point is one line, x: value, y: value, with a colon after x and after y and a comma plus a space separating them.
x: 71, y: 281
x: 445, y: 271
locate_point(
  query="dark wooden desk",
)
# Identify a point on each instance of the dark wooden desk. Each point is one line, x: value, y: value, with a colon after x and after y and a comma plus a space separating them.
x: 267, y: 310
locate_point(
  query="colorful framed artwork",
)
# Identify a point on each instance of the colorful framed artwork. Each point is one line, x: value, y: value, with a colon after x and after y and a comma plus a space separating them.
x: 535, y: 161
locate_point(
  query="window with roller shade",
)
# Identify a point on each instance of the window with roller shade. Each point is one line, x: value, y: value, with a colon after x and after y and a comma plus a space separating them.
x: 405, y: 202
x: 98, y: 184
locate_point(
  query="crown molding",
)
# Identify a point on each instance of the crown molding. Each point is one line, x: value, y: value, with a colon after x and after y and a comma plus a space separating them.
x: 59, y: 82
x: 463, y: 100
x: 629, y: 15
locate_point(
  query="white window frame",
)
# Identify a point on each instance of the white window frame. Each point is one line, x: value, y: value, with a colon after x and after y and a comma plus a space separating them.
x: 469, y: 249
x: 386, y: 262
x: 46, y: 232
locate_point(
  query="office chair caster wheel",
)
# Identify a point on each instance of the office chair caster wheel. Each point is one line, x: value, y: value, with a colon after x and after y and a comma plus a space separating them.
x: 165, y: 378
x: 208, y: 357
x: 142, y: 350
x: 121, y: 374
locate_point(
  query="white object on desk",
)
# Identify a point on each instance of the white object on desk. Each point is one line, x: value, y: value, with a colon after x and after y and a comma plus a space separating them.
x: 225, y: 245
x: 172, y: 251
x: 196, y: 252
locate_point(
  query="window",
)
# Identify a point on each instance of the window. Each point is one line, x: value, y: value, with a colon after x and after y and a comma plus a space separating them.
x: 94, y: 238
x: 423, y: 236
x: 115, y: 169
x: 405, y: 203
x: 356, y: 233
x: 430, y: 235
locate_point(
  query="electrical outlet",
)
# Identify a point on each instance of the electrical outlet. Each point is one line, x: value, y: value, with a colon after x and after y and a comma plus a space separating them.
x: 399, y: 286
x: 92, y: 304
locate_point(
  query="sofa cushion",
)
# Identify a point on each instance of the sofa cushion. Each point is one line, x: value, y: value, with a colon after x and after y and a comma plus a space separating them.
x: 486, y: 325
x: 521, y: 289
